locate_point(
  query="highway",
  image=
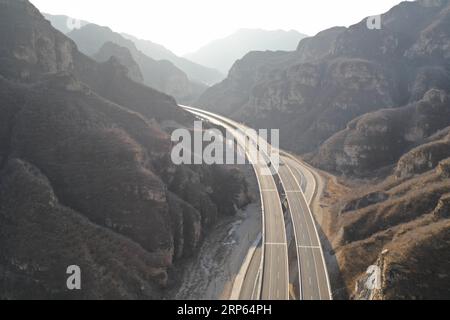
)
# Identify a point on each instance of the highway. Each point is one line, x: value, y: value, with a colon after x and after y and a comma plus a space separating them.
x: 267, y: 275
x: 274, y: 256
x: 313, y: 280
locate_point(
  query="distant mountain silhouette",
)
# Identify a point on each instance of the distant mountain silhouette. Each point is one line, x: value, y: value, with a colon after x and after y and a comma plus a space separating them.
x: 222, y: 54
x: 193, y: 70
x: 162, y: 75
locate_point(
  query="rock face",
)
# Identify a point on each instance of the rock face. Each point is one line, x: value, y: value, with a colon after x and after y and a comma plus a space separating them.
x: 404, y: 235
x: 423, y: 158
x: 365, y: 201
x: 161, y: 75
x: 378, y: 139
x: 340, y: 74
x: 411, y: 276
x: 26, y: 54
x: 444, y: 168
x: 85, y: 172
x: 443, y: 208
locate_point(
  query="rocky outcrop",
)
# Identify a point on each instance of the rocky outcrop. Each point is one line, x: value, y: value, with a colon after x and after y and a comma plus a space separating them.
x: 412, y: 267
x: 422, y: 159
x: 444, y: 169
x: 396, y: 246
x: 381, y: 138
x: 365, y: 201
x: 31, y: 53
x: 442, y: 210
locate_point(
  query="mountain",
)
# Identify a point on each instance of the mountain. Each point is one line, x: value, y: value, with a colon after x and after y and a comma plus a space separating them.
x: 124, y: 57
x: 194, y: 71
x: 221, y: 54
x: 338, y: 75
x: 161, y: 75
x: 64, y: 23
x: 372, y: 108
x: 85, y: 172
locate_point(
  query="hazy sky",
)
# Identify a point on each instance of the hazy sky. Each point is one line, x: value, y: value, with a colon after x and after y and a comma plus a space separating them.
x: 185, y: 25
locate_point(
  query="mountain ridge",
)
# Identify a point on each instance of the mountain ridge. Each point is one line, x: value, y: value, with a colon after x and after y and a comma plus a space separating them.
x: 222, y: 53
x: 196, y: 72
x: 161, y: 75
x: 153, y: 50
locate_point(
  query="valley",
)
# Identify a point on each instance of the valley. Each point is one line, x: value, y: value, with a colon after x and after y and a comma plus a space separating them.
x: 266, y: 165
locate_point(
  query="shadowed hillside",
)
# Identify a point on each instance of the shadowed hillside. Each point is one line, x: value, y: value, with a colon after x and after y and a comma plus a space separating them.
x: 85, y: 172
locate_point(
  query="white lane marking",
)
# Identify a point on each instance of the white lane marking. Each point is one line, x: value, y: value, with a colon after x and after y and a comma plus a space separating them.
x: 309, y: 247
x: 258, y: 274
x: 225, y: 122
x: 275, y: 244
x: 310, y: 281
x: 270, y: 274
x: 297, y: 165
x: 305, y: 219
x: 269, y: 190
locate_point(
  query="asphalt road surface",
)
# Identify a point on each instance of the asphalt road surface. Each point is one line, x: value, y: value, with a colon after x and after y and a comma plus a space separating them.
x: 267, y: 275
x: 313, y: 275
x: 275, y: 272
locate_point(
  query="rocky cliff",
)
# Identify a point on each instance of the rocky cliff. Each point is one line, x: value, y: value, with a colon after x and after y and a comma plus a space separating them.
x: 401, y: 228
x: 379, y: 139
